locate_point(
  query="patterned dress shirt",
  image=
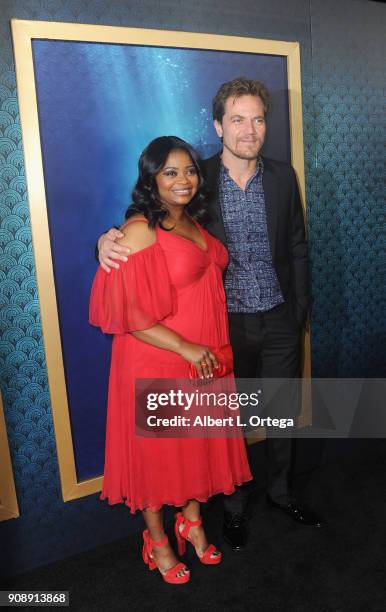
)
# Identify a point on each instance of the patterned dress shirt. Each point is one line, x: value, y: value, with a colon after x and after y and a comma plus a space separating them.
x: 251, y: 282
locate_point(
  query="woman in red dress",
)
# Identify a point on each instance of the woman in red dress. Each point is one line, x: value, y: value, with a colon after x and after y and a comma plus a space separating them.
x: 166, y: 308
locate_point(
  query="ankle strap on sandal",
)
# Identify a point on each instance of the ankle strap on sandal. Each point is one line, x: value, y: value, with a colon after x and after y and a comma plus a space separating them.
x: 152, y: 543
x: 187, y: 524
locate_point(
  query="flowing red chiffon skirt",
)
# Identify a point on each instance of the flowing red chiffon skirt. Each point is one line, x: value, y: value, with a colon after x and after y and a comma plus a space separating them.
x: 177, y: 283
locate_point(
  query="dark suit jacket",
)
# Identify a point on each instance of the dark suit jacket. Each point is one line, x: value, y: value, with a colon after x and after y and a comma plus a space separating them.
x: 285, y: 223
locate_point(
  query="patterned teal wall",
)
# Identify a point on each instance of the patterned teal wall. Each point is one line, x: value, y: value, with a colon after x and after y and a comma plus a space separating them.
x: 342, y: 74
x: 347, y: 189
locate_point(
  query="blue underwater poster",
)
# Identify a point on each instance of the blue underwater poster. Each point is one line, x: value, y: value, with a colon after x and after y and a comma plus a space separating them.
x: 99, y: 106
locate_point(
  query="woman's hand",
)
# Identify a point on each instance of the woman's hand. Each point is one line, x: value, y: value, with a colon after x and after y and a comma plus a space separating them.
x: 201, y: 356
x: 109, y: 250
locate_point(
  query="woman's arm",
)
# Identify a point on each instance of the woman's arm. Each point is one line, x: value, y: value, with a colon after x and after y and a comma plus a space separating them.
x: 164, y: 338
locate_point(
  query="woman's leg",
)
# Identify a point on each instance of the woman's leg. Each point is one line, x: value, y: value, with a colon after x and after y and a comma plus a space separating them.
x: 197, y: 534
x: 163, y: 555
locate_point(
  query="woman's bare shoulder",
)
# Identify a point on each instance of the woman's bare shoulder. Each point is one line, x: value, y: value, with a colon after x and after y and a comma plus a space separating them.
x: 137, y: 234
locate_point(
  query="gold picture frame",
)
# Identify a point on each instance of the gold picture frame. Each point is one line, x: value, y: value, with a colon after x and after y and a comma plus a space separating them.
x: 23, y: 33
x: 8, y: 501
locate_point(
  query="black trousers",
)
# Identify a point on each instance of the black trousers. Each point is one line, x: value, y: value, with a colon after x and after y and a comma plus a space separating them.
x: 267, y: 345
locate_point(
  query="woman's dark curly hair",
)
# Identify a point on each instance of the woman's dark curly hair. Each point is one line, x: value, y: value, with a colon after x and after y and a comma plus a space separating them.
x: 145, y: 194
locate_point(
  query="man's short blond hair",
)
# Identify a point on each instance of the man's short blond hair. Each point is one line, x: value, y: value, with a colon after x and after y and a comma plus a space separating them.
x: 241, y: 86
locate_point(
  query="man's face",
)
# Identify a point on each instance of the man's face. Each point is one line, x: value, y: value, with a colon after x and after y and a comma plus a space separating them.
x: 243, y: 126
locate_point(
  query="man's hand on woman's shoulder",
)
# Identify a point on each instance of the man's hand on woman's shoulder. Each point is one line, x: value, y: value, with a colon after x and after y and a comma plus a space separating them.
x: 118, y: 244
x: 110, y: 250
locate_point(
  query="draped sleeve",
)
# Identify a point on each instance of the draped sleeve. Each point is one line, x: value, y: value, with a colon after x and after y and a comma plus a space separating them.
x: 134, y: 297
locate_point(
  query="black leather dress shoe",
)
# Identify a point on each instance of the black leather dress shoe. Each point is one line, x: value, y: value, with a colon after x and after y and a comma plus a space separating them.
x: 234, y: 531
x: 299, y: 513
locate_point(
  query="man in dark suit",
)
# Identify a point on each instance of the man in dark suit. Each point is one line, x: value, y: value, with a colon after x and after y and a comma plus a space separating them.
x: 256, y: 211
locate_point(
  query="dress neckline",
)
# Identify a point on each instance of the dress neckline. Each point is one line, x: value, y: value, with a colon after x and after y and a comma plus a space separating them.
x: 200, y: 229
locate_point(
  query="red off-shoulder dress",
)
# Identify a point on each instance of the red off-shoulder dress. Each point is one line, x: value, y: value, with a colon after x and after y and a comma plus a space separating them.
x: 178, y: 284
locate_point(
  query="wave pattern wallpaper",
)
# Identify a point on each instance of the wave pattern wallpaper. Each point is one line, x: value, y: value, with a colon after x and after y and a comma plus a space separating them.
x: 343, y: 80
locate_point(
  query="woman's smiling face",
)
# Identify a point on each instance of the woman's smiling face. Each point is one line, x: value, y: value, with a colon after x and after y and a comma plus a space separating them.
x: 177, y: 182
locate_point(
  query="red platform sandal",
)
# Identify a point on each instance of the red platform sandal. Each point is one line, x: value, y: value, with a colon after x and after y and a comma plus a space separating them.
x: 171, y: 575
x: 211, y: 555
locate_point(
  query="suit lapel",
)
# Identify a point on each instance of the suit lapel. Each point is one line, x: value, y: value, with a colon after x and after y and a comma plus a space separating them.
x: 271, y: 195
x: 212, y: 172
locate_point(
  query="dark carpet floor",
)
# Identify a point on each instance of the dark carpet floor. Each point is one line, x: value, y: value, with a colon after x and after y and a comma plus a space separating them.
x: 286, y: 567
